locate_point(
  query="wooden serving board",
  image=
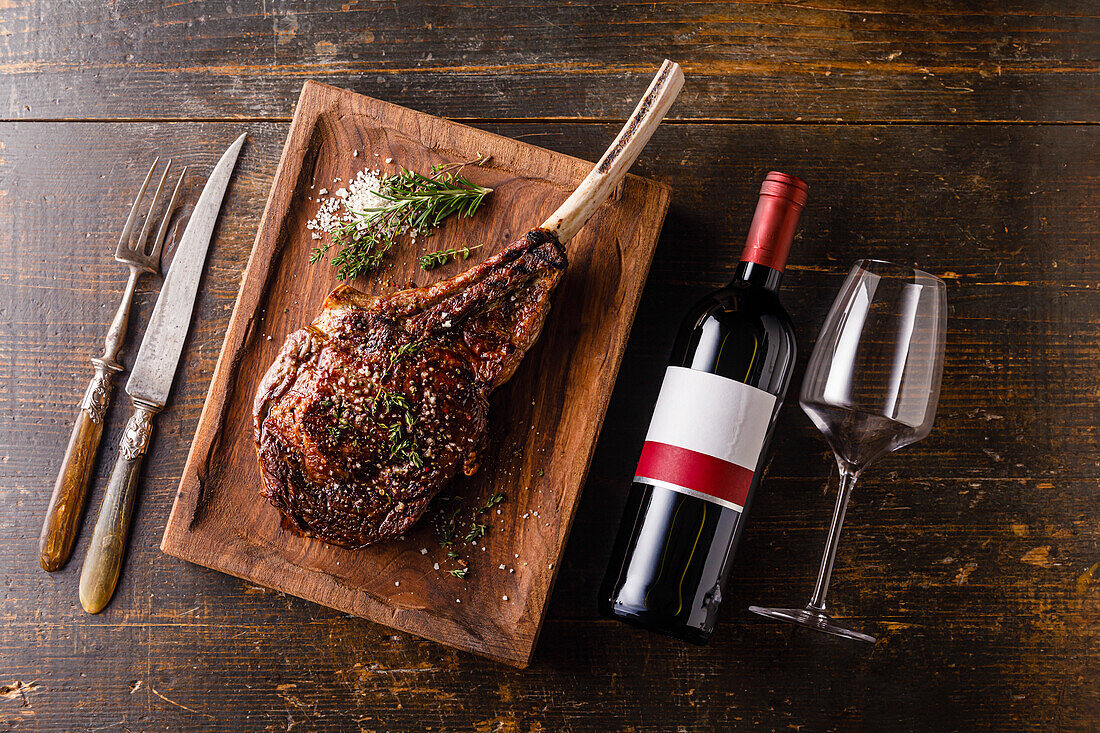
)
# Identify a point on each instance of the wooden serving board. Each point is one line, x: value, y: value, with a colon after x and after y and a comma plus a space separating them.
x: 543, y: 423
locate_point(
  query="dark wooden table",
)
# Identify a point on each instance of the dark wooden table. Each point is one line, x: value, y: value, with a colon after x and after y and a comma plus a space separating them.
x: 957, y: 137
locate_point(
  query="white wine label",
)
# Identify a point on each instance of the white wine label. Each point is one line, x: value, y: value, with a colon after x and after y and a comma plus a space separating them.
x: 706, y: 436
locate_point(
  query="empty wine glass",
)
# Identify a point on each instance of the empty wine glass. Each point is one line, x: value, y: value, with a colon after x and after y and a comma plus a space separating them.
x: 871, y: 387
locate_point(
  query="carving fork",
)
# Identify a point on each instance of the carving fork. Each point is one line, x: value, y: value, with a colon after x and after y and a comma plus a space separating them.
x: 59, y: 529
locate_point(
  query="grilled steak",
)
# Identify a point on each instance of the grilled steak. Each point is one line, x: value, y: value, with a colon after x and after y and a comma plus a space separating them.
x: 370, y: 410
x: 374, y: 407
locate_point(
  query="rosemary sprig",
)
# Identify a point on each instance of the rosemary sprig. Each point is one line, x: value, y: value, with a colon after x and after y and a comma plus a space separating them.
x: 433, y: 260
x: 459, y: 572
x: 413, y: 202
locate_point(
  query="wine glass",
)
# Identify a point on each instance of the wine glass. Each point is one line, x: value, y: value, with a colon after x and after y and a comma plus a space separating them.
x: 871, y: 387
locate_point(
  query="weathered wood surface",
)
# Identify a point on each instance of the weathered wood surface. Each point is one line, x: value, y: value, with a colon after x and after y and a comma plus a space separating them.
x: 547, y: 417
x: 970, y: 554
x: 871, y: 60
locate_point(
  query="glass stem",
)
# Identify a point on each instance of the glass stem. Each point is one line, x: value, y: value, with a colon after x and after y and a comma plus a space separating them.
x: 848, y: 476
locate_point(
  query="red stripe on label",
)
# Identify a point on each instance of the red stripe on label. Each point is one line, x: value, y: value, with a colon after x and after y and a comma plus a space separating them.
x: 695, y: 471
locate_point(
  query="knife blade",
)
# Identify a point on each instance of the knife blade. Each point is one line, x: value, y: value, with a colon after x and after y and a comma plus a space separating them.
x: 155, y: 365
x: 149, y: 385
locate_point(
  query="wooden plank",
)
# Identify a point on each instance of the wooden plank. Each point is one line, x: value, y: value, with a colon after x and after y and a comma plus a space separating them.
x: 969, y: 553
x: 547, y: 417
x: 873, y: 61
x: 1023, y: 300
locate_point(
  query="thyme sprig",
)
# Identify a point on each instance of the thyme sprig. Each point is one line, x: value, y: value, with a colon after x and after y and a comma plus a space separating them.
x: 433, y: 260
x: 457, y: 523
x: 341, y: 423
x: 385, y: 402
x: 412, y: 202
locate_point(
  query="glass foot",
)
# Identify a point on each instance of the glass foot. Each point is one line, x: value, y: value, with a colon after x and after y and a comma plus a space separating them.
x: 813, y: 619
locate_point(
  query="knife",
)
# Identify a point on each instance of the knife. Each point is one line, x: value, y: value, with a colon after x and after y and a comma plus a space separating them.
x: 150, y: 382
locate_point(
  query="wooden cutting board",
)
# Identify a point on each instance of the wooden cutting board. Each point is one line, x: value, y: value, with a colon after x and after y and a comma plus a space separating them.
x: 543, y: 423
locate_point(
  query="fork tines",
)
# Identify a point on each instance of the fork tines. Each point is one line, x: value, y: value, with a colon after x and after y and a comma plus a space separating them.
x: 132, y: 250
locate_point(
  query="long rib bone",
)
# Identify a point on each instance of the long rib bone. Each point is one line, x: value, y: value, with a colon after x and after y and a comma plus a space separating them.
x: 612, y: 167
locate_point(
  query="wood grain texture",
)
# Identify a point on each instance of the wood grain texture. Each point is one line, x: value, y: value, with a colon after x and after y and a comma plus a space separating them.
x: 872, y: 60
x: 970, y: 554
x: 973, y: 554
x: 544, y: 422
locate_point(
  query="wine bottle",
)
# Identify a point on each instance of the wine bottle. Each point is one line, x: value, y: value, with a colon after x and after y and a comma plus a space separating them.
x: 705, y: 448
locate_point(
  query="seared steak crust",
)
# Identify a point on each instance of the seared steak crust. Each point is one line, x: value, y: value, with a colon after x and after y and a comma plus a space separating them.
x: 374, y: 407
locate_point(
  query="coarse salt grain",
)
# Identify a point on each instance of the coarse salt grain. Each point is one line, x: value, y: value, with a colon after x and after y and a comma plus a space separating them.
x: 358, y: 197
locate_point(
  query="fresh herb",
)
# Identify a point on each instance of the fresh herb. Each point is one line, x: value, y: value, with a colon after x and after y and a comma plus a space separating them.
x: 342, y: 423
x: 459, y: 572
x: 399, y: 434
x: 447, y: 523
x: 455, y: 522
x: 409, y: 347
x: 405, y: 349
x: 386, y: 401
x: 406, y: 201
x: 477, y: 531
x: 403, y: 446
x: 433, y: 260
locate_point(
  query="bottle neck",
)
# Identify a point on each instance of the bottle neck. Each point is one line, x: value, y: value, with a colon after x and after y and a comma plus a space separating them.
x: 755, y: 274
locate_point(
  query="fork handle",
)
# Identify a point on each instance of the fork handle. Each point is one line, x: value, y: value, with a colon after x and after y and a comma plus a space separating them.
x: 102, y: 564
x: 55, y: 544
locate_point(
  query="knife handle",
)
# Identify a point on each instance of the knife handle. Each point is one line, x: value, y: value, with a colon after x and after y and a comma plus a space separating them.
x: 103, y: 562
x: 55, y: 544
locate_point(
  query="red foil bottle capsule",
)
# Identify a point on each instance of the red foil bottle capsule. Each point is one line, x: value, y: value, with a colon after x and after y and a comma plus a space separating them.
x: 782, y: 197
